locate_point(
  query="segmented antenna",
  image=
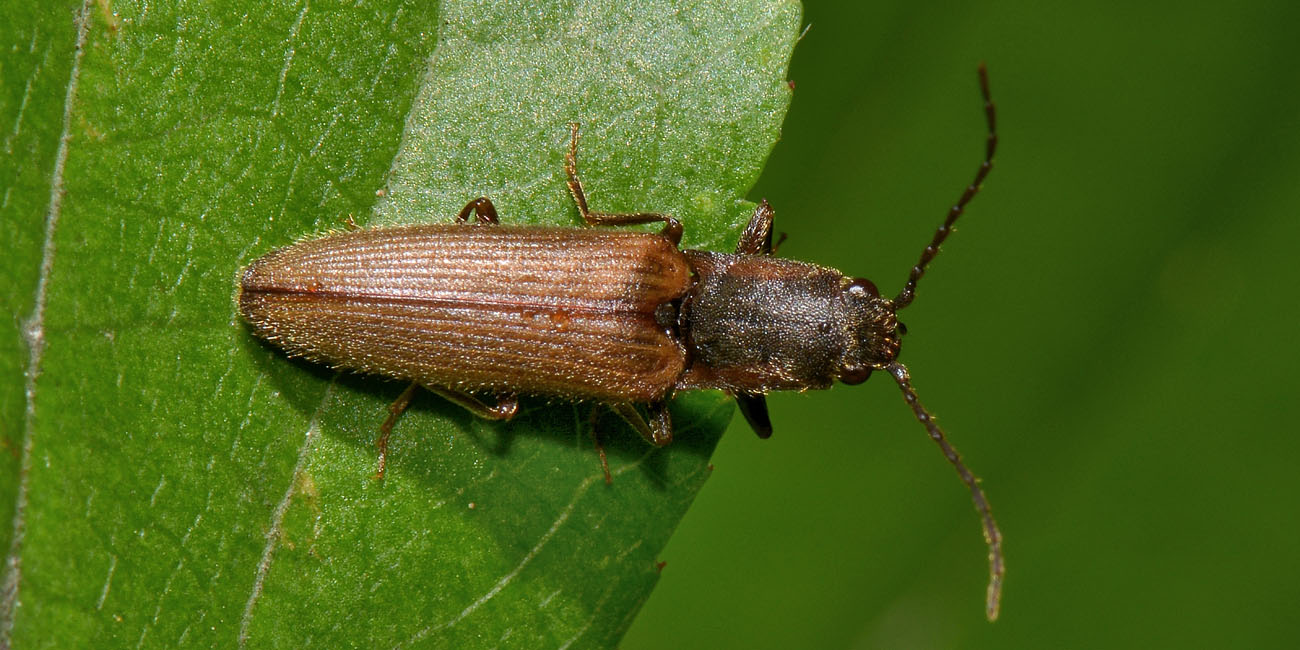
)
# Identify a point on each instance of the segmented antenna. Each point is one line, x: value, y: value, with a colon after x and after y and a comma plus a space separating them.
x: 992, y: 536
x: 909, y: 290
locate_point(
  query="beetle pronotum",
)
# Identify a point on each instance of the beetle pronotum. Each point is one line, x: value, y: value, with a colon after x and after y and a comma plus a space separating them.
x: 616, y: 317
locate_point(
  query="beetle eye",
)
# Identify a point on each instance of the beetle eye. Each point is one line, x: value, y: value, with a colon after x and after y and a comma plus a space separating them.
x: 862, y: 286
x: 902, y: 329
x: 854, y: 376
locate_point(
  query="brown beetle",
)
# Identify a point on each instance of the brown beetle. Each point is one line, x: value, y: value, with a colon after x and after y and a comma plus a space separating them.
x: 616, y: 317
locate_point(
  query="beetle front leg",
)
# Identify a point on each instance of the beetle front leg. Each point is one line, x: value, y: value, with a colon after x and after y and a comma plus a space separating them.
x: 672, y: 227
x: 754, y: 408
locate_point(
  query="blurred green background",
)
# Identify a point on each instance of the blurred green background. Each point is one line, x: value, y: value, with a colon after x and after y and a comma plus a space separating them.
x: 1109, y: 339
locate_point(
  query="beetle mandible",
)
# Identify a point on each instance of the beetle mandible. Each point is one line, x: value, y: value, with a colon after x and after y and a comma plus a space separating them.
x: 620, y: 318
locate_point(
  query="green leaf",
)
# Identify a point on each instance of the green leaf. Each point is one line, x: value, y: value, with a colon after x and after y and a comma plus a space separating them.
x: 173, y: 481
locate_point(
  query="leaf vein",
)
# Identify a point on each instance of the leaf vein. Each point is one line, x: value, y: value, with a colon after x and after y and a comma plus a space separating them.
x: 532, y: 553
x: 288, y: 58
x: 277, y: 516
x: 34, y: 336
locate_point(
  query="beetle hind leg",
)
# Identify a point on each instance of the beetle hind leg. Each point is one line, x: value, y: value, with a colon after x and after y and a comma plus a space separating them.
x: 505, y: 408
x: 672, y: 227
x: 395, y: 411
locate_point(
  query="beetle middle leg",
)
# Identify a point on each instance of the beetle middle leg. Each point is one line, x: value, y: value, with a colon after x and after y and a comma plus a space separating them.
x: 504, y: 409
x: 600, y: 448
x: 756, y: 240
x: 757, y: 237
x: 672, y: 227
x: 658, y: 431
x: 483, y: 210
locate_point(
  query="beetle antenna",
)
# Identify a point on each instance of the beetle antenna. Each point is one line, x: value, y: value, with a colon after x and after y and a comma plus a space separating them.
x: 992, y: 536
x: 909, y: 290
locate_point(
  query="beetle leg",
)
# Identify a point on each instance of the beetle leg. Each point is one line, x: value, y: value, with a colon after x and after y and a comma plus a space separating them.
x: 394, y: 410
x: 658, y: 431
x: 672, y: 227
x: 757, y: 238
x: 505, y: 408
x: 754, y: 408
x: 600, y: 448
x: 483, y: 210
x: 779, y: 240
x: 661, y: 422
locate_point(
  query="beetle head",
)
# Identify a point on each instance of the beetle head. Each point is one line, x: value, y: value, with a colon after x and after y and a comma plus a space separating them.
x: 872, y: 331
